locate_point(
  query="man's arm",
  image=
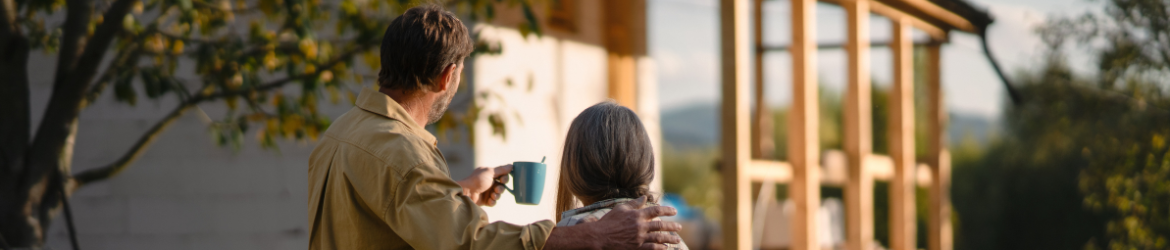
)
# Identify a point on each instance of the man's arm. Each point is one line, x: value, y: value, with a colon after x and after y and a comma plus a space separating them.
x: 622, y: 228
x: 484, y: 185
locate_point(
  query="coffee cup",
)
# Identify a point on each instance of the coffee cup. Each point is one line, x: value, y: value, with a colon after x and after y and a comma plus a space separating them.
x: 527, y: 182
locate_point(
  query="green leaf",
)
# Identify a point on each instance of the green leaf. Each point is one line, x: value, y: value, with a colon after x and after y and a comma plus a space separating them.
x: 123, y: 91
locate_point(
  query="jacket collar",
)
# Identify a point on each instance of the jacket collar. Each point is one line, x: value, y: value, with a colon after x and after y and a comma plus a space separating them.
x: 378, y: 103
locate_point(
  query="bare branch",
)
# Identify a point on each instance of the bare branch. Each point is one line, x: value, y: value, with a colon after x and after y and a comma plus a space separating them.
x: 222, y: 9
x: 136, y: 151
x: 97, y: 45
x: 112, y: 169
x: 281, y: 82
x: 124, y: 57
x: 77, y: 17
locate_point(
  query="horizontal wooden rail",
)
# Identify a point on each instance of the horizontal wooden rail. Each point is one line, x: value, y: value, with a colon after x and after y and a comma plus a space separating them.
x: 833, y: 169
x: 840, y: 45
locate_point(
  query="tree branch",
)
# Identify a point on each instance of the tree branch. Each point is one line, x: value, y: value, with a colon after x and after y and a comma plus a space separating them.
x: 136, y: 151
x: 8, y: 25
x: 14, y: 99
x: 75, y: 70
x: 97, y: 46
x: 281, y: 82
x: 128, y: 56
x: 1007, y: 84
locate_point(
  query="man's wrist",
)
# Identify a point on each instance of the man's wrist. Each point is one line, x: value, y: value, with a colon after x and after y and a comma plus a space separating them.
x: 580, y: 236
x: 463, y: 186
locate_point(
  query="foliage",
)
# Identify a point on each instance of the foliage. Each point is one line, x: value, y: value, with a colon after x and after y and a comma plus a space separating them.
x: 1084, y: 163
x: 270, y: 62
x: 692, y: 174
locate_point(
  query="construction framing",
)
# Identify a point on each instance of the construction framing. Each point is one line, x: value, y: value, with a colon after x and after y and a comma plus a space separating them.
x: 745, y: 143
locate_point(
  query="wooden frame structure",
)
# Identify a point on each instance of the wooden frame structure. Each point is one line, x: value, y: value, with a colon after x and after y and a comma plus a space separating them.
x: 743, y: 141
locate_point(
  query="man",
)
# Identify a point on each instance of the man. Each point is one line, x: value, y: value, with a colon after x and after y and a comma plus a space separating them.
x: 377, y: 181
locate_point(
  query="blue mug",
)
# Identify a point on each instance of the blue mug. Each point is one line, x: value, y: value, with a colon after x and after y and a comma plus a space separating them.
x: 527, y: 182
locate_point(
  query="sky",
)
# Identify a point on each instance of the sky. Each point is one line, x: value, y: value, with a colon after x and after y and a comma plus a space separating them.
x: 684, y: 41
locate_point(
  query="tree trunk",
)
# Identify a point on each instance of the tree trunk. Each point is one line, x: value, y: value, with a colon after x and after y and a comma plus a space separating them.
x: 18, y: 225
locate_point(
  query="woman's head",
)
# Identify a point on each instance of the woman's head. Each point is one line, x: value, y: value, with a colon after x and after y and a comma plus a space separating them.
x: 607, y: 155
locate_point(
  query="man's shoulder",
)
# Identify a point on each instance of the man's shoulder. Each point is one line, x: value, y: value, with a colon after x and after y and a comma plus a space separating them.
x: 388, y: 139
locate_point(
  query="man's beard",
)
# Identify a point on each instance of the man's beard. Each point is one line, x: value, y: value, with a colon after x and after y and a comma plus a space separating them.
x: 440, y: 107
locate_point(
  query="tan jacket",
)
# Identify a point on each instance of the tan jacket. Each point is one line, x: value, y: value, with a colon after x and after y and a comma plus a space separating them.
x: 377, y: 181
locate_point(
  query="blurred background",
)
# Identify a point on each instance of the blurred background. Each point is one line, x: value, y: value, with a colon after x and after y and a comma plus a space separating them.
x: 187, y: 124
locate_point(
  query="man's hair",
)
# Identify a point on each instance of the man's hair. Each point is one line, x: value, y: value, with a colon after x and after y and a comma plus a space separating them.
x: 418, y: 45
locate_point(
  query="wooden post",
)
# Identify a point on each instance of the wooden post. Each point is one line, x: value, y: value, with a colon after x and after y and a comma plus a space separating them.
x: 762, y: 144
x: 902, y: 220
x: 735, y: 125
x: 625, y: 41
x: 858, y: 130
x: 623, y: 76
x: 940, y: 158
x: 803, y: 135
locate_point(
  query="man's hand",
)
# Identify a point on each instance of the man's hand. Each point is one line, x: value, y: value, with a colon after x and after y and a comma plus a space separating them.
x: 485, y: 184
x: 627, y: 226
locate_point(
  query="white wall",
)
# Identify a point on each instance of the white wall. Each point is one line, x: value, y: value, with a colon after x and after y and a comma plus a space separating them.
x: 566, y: 77
x: 187, y: 193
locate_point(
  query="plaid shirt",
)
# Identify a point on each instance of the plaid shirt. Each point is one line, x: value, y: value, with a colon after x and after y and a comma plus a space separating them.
x: 599, y: 209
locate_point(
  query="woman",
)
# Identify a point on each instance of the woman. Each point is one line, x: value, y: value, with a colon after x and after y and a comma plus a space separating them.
x: 607, y: 160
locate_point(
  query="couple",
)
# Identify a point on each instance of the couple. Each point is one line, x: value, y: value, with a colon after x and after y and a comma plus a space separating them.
x: 377, y: 180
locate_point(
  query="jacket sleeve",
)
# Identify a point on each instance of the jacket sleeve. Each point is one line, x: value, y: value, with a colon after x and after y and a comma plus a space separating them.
x: 428, y: 211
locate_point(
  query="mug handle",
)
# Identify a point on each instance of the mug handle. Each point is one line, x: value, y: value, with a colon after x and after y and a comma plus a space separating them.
x: 505, y: 185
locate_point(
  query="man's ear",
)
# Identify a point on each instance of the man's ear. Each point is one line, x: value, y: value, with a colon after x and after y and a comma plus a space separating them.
x: 445, y: 78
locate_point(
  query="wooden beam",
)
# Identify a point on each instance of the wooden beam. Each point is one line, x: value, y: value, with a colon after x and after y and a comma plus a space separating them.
x: 762, y: 144
x: 934, y: 31
x: 623, y: 79
x: 902, y: 220
x: 735, y: 126
x: 803, y: 120
x: 881, y: 168
x: 766, y: 196
x: 925, y: 10
x: 939, y: 221
x: 775, y: 171
x: 841, y: 46
x: 858, y: 129
x: 625, y: 40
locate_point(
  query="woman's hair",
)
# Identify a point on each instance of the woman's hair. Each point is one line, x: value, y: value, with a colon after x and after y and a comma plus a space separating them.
x: 607, y: 155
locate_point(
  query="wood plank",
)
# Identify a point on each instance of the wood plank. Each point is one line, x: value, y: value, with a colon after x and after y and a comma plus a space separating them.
x: 935, y: 32
x: 762, y: 144
x: 760, y: 214
x: 624, y: 24
x: 939, y: 221
x: 803, y: 120
x: 623, y: 79
x: 841, y: 45
x: 858, y: 129
x: 902, y: 220
x: 881, y: 168
x: 775, y: 171
x: 735, y: 125
x: 926, y: 10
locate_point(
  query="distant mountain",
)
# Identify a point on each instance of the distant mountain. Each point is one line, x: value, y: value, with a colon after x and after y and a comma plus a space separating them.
x: 691, y: 127
x: 978, y: 128
x: 697, y: 126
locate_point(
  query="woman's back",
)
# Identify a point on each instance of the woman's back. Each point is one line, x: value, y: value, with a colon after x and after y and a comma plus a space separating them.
x: 595, y: 211
x: 607, y: 160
